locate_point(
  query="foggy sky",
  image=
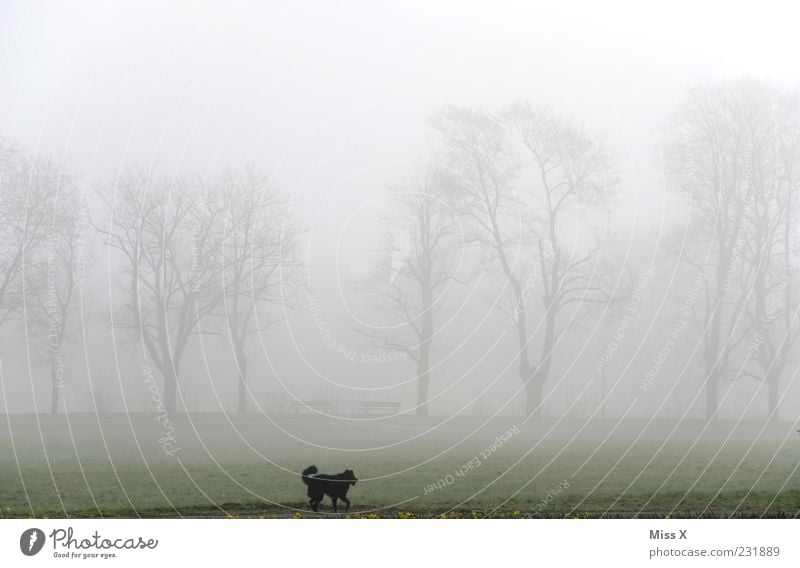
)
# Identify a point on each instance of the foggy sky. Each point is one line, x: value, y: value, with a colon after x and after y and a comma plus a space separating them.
x: 332, y: 100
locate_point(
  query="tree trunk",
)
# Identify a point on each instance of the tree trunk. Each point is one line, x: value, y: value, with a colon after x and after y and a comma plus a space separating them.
x: 603, y: 392
x: 423, y: 384
x: 533, y: 397
x: 772, y: 402
x: 537, y: 377
x: 423, y: 366
x: 170, y: 389
x: 241, y: 365
x: 712, y: 340
x: 526, y: 374
x: 55, y: 391
x: 712, y: 397
x: 773, y: 412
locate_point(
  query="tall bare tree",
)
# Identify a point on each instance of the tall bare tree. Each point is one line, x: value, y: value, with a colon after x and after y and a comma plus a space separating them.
x: 771, y: 223
x: 54, y: 281
x: 28, y: 187
x: 169, y: 238
x: 572, y: 182
x: 420, y: 261
x: 732, y: 157
x: 524, y: 178
x: 261, y: 262
x: 483, y: 169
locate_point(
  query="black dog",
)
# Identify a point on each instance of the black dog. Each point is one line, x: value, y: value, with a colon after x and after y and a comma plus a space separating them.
x: 335, y: 486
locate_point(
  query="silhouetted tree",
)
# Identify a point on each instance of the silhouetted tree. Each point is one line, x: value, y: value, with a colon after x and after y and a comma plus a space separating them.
x: 733, y: 156
x: 169, y: 235
x: 524, y: 179
x: 571, y: 185
x: 261, y: 263
x: 420, y: 261
x: 54, y: 281
x: 28, y: 186
x: 771, y: 222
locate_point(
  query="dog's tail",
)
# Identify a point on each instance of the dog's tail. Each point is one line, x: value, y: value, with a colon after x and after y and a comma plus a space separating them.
x: 310, y: 470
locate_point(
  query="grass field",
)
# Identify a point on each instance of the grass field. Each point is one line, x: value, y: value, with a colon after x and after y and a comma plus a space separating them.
x: 248, y: 466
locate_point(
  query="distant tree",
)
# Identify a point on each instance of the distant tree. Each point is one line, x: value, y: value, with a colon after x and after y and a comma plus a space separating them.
x: 28, y: 186
x: 420, y: 261
x: 524, y: 178
x: 54, y: 280
x: 771, y: 247
x: 483, y: 168
x: 261, y: 262
x: 573, y: 182
x: 169, y: 238
x: 732, y: 155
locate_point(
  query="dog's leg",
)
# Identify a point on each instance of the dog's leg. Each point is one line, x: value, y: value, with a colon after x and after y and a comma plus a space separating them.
x: 346, y: 504
x: 334, y: 499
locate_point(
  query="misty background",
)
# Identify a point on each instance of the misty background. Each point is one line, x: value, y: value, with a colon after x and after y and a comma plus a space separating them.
x: 335, y: 107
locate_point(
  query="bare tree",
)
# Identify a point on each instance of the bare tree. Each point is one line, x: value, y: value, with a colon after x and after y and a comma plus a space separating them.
x: 568, y: 194
x: 771, y: 222
x: 483, y: 169
x: 53, y: 288
x: 261, y: 263
x: 28, y: 186
x: 407, y: 289
x: 561, y: 171
x: 724, y: 159
x: 168, y: 235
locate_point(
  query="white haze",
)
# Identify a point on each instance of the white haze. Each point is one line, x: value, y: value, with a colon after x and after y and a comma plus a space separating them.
x: 332, y: 99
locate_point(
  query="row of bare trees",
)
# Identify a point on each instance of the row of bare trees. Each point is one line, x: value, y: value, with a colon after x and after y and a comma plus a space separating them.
x: 199, y: 256
x: 521, y: 197
x: 192, y: 256
x: 532, y: 191
x: 733, y: 156
x: 524, y: 189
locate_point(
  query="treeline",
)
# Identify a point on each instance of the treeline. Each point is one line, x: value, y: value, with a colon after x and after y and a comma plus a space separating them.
x: 519, y: 197
x: 533, y: 193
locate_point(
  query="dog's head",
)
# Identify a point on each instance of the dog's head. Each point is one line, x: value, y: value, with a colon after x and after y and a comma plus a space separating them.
x: 350, y: 476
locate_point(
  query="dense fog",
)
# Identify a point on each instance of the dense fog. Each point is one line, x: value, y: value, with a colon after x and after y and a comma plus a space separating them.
x: 527, y: 210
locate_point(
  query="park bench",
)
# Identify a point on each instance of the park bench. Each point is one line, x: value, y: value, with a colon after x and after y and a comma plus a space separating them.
x: 320, y: 405
x: 369, y: 406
